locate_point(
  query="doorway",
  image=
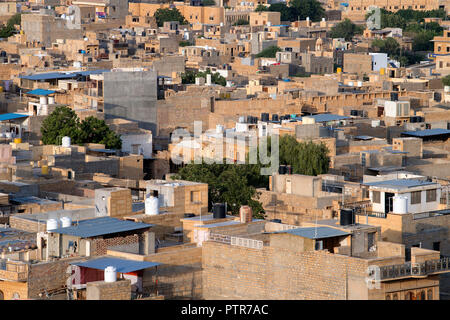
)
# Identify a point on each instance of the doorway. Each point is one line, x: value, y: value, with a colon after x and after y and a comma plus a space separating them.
x: 388, y: 201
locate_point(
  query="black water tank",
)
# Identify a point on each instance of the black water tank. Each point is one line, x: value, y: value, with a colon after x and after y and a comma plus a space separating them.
x: 412, y: 119
x: 282, y: 169
x: 274, y: 117
x: 276, y: 220
x: 265, y: 117
x: 347, y: 217
x: 219, y: 211
x: 189, y: 215
x: 353, y: 112
x: 394, y: 96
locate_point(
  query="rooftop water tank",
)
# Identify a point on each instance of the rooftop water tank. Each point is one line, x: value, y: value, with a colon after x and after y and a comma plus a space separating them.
x: 400, y: 204
x: 347, y: 217
x: 219, y: 128
x: 219, y: 211
x: 51, y: 100
x: 241, y: 119
x: 66, y: 142
x: 152, y: 206
x: 110, y: 274
x: 246, y: 214
x: 42, y: 100
x: 52, y: 224
x: 66, y: 222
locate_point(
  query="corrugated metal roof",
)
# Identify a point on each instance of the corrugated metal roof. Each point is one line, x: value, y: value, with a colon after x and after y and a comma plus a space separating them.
x: 322, y: 232
x: 400, y: 183
x: 40, y: 92
x: 325, y: 117
x: 101, y: 226
x: 364, y: 137
x: 12, y: 116
x: 121, y: 265
x: 427, y: 132
x: 62, y: 75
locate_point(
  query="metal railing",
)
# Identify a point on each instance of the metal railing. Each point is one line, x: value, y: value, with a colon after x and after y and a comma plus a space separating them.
x: 236, y: 241
x: 415, y: 269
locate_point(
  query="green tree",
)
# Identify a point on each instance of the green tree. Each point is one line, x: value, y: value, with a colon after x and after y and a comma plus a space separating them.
x: 307, y: 8
x: 184, y: 43
x: 261, y: 7
x: 269, y: 52
x: 63, y: 121
x: 345, y: 29
x: 8, y: 30
x: 306, y: 158
x: 189, y: 76
x: 234, y: 184
x: 446, y: 80
x: 164, y: 15
x: 286, y: 13
x: 422, y: 41
x: 389, y: 46
x: 94, y: 130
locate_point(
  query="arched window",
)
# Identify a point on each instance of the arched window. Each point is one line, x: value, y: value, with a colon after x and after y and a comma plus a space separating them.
x: 395, y: 296
x: 408, y: 296
x: 388, y: 297
x: 430, y: 294
x: 2, y: 297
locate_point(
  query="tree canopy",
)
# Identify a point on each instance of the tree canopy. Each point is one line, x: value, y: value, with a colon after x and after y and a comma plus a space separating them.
x: 163, y: 15
x: 63, y: 121
x: 234, y: 184
x: 189, y: 77
x: 446, y: 80
x: 269, y: 52
x: 345, y: 29
x: 8, y: 30
x: 296, y: 10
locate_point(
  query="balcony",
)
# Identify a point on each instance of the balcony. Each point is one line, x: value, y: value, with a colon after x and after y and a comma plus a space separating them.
x: 415, y: 270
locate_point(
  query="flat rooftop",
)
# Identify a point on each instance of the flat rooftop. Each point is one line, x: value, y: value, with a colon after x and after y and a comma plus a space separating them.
x: 400, y: 183
x: 316, y: 233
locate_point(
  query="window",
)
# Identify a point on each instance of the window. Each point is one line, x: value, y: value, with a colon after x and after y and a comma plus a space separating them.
x: 415, y: 197
x: 436, y: 246
x: 388, y: 297
x: 431, y: 195
x: 195, y: 196
x: 376, y: 196
x: 370, y: 240
x: 395, y: 296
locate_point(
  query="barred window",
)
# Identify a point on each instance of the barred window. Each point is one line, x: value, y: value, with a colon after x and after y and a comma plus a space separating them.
x: 431, y: 195
x: 376, y: 196
x: 415, y: 197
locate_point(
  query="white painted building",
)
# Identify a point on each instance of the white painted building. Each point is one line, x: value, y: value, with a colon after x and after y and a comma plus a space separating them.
x: 404, y: 196
x: 137, y: 143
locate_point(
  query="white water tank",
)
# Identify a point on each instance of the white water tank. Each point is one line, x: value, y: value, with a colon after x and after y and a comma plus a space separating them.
x: 350, y: 83
x: 66, y: 222
x: 52, y: 224
x: 400, y: 204
x: 152, y: 206
x: 376, y: 123
x: 241, y: 119
x: 43, y: 100
x: 208, y: 79
x: 66, y: 142
x: 51, y: 100
x: 359, y: 83
x: 110, y: 274
x: 219, y: 128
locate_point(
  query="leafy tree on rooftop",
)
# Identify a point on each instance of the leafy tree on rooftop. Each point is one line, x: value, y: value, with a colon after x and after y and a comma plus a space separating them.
x: 163, y: 15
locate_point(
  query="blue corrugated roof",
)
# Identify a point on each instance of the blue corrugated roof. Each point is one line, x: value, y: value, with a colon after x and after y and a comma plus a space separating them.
x: 40, y: 92
x: 400, y: 183
x: 364, y: 137
x: 101, y: 226
x: 325, y: 117
x: 121, y: 265
x: 322, y: 232
x: 427, y: 132
x: 62, y: 75
x: 12, y: 116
